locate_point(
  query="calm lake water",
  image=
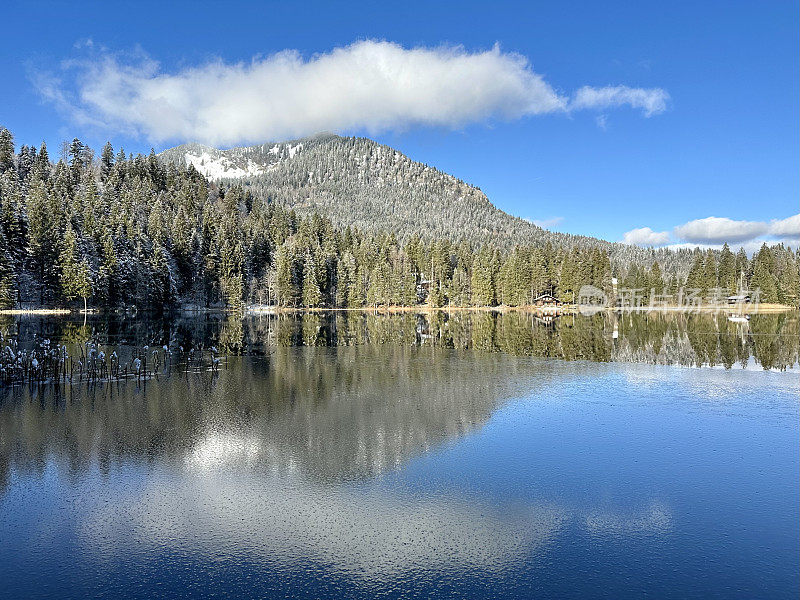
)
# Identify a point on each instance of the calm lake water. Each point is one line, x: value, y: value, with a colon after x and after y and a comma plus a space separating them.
x: 410, y: 456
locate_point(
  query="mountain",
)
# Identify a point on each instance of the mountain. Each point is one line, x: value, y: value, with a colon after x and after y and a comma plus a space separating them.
x: 359, y: 182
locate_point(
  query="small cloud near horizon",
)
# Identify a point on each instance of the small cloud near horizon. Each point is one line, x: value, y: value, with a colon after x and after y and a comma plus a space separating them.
x: 713, y: 232
x: 644, y: 236
x: 717, y: 230
x: 547, y: 223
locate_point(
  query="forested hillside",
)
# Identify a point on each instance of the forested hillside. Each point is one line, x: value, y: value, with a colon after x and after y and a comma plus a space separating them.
x: 359, y: 183
x: 117, y: 230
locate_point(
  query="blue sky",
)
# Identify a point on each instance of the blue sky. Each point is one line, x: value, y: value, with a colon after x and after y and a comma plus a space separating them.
x: 725, y: 143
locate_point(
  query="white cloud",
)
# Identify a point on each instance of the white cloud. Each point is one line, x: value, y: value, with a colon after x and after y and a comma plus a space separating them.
x: 368, y: 85
x: 644, y: 236
x: 713, y: 232
x: 749, y: 246
x: 716, y: 230
x: 789, y: 227
x: 547, y: 223
x: 650, y: 101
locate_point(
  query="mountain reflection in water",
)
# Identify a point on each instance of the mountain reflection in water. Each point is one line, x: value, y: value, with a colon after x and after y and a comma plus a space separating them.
x: 273, y: 458
x: 409, y: 455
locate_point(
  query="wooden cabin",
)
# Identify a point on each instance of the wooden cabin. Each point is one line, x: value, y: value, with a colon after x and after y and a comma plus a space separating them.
x: 739, y: 299
x: 547, y: 300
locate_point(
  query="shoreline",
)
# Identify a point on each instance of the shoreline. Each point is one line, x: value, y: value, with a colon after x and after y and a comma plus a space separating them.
x: 565, y: 309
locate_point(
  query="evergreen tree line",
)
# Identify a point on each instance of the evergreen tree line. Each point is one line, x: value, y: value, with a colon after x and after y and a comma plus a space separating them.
x: 773, y: 270
x: 118, y: 230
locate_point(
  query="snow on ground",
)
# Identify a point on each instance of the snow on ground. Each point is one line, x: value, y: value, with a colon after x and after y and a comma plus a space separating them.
x: 294, y: 149
x: 220, y: 166
x: 217, y: 168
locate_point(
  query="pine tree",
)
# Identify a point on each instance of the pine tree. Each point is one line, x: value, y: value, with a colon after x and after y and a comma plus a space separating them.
x: 710, y: 279
x: 406, y: 286
x: 76, y: 159
x: 696, y: 278
x: 568, y: 279
x: 763, y: 278
x: 788, y: 276
x: 107, y: 284
x: 182, y: 241
x: 516, y: 276
x: 459, y: 292
x: 539, y: 280
x: 484, y: 277
x: 25, y: 161
x: 157, y: 227
x: 356, y: 296
x: 163, y: 288
x: 286, y: 286
x: 75, y: 275
x: 42, y: 243
x: 312, y: 295
x: 673, y: 287
x: 379, y: 291
x: 741, y: 270
x: 656, y: 279
x: 345, y: 274
x: 6, y: 276
x: 231, y: 259
x: 6, y: 150
x: 41, y: 167
x: 106, y: 161
x: 727, y: 270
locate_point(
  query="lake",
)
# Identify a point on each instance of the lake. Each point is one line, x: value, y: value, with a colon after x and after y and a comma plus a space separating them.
x: 408, y: 456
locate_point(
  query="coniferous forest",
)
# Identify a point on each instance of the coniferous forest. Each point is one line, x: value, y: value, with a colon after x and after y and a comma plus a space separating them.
x: 113, y: 230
